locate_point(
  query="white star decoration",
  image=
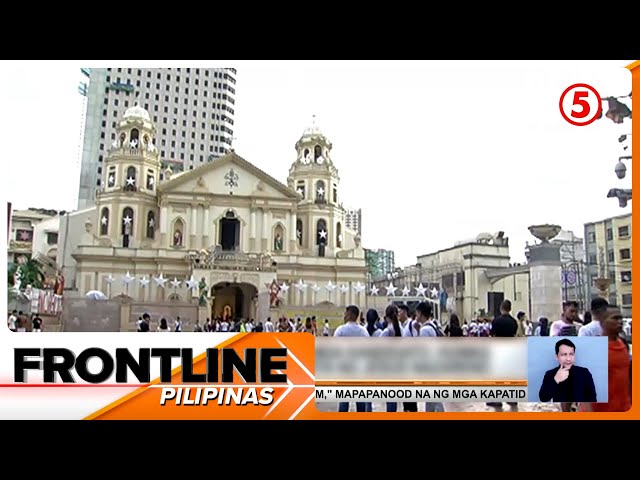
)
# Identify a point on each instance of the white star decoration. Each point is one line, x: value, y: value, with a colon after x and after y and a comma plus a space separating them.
x: 131, y: 181
x: 104, y: 220
x: 391, y: 290
x: 330, y: 286
x: 420, y: 290
x: 359, y: 288
x: 144, y: 281
x: 112, y: 179
x: 405, y: 291
x: 340, y: 237
x: 110, y: 279
x: 191, y: 283
x: 434, y: 292
x: 284, y: 288
x: 127, y: 220
x: 373, y: 290
x: 151, y: 222
x: 175, y: 283
x: 344, y: 289
x: 160, y: 281
x: 299, y: 234
x: 299, y: 191
x: 151, y: 180
x: 301, y: 286
x: 315, y: 288
x: 320, y: 192
x: 127, y: 279
x: 323, y: 234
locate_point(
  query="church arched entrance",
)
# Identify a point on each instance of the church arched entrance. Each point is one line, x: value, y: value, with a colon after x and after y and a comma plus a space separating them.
x: 234, y: 300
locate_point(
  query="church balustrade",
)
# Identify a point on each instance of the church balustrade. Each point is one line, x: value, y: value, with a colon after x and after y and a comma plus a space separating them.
x: 216, y: 259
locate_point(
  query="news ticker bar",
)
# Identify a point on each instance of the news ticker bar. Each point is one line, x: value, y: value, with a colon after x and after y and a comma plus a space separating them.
x: 412, y: 393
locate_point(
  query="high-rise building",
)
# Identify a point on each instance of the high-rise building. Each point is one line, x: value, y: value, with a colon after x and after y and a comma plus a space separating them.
x: 608, y: 249
x: 353, y: 220
x: 380, y: 262
x: 193, y: 109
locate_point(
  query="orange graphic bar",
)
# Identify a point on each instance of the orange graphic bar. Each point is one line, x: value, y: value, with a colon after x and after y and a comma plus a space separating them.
x: 421, y: 383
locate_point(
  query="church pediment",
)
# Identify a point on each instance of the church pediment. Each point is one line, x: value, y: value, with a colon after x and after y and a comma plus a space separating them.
x: 229, y: 174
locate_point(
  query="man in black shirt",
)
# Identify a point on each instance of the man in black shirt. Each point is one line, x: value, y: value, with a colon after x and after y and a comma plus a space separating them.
x: 504, y: 325
x: 144, y: 324
x: 36, y: 323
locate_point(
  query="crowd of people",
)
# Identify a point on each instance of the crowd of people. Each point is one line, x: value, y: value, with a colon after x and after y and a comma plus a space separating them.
x: 19, y: 321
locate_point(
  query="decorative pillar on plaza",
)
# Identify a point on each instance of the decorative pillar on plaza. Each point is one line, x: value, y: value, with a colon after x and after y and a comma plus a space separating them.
x: 545, y: 271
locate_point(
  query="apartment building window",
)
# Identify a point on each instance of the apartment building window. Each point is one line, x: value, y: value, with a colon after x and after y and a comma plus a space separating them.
x: 129, y: 71
x: 100, y: 158
x: 191, y: 157
x: 182, y: 145
x: 593, y: 259
x: 173, y: 132
x: 623, y: 232
x: 148, y: 74
x: 612, y: 276
x: 146, y: 96
x: 625, y: 254
x: 182, y: 156
x: 52, y: 238
x: 626, y: 299
x: 610, y: 256
x: 609, y: 233
x: 106, y: 101
x: 625, y: 276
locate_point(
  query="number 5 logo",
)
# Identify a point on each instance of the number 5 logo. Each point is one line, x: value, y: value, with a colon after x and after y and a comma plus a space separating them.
x: 580, y: 104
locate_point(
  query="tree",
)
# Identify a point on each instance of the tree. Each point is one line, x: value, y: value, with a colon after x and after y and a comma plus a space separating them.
x: 30, y: 274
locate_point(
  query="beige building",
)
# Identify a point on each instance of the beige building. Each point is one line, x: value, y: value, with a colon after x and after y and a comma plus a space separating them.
x: 226, y: 223
x: 33, y: 234
x: 608, y: 249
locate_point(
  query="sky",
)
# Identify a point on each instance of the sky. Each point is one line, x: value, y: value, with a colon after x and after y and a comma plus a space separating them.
x: 433, y: 152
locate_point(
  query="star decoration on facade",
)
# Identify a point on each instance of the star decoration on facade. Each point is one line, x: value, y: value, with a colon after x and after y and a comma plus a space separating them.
x: 434, y: 292
x: 284, y: 288
x: 151, y: 180
x: 405, y: 291
x: 299, y: 234
x: 175, y: 283
x: 421, y: 290
x: 315, y: 288
x: 127, y: 279
x: 301, y: 286
x: 320, y: 192
x: 373, y: 290
x: 323, y: 234
x: 330, y: 286
x: 24, y: 236
x: 131, y: 181
x: 133, y: 143
x: 231, y: 179
x: 144, y: 281
x: 344, y: 289
x: 110, y: 279
x: 112, y: 179
x: 191, y: 283
x: 127, y: 220
x: 160, y: 281
x: 340, y: 237
x: 359, y: 288
x: 391, y: 290
x: 152, y: 222
x: 104, y: 220
x: 300, y: 192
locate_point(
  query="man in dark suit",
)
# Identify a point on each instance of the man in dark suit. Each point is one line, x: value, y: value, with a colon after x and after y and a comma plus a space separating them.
x: 567, y: 382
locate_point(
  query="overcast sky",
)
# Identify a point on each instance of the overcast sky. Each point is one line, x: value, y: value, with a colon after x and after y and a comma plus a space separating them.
x: 432, y: 151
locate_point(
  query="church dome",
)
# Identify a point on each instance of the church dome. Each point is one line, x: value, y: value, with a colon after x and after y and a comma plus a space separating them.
x: 312, y: 131
x: 137, y: 112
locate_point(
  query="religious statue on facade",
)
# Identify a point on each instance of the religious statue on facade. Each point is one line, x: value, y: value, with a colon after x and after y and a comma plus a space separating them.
x: 277, y: 243
x: 58, y: 287
x: 274, y: 290
x: 202, y: 292
x: 177, y: 238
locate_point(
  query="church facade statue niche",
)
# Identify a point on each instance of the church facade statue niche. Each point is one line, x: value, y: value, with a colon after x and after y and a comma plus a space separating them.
x: 151, y: 225
x: 177, y: 238
x: 202, y: 292
x: 277, y: 243
x: 127, y: 226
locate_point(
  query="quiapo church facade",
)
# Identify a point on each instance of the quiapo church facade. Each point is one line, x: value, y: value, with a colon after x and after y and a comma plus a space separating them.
x: 225, y: 235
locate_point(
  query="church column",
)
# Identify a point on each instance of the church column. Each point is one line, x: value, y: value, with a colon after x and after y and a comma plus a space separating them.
x: 292, y: 232
x: 164, y: 220
x: 265, y: 231
x: 252, y: 236
x: 206, y: 228
x: 194, y: 226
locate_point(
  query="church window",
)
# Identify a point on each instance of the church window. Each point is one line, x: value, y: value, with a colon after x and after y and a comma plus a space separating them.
x: 104, y: 221
x: 130, y: 181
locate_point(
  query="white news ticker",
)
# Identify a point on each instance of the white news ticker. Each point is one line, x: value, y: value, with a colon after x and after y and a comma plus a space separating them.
x: 421, y: 394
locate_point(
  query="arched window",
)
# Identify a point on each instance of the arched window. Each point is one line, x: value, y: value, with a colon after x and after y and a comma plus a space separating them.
x: 134, y: 138
x: 123, y: 138
x: 151, y: 224
x: 130, y: 181
x: 339, y: 235
x: 299, y: 231
x: 178, y: 230
x: 317, y: 152
x: 127, y: 226
x: 305, y: 155
x: 229, y: 228
x: 320, y: 191
x: 322, y: 234
x: 104, y: 221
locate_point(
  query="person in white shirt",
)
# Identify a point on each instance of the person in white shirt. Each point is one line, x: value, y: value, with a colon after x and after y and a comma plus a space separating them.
x: 372, y: 320
x: 351, y: 328
x: 224, y: 326
x: 403, y: 315
x: 326, y: 330
x: 164, y: 326
x: 268, y: 325
x: 599, y: 308
x: 12, y: 321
